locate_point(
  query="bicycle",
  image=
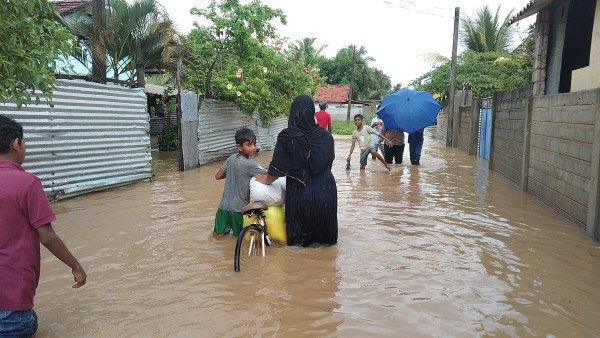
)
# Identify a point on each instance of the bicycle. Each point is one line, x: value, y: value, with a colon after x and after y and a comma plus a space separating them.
x: 258, y: 239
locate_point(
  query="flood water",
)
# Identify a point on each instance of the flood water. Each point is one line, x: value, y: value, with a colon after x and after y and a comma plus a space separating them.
x: 445, y: 249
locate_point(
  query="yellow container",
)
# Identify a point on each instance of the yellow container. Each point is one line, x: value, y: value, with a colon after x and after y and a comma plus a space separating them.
x: 275, y: 219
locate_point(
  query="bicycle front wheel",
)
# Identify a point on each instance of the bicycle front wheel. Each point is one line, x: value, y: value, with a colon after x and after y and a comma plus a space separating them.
x: 249, y: 245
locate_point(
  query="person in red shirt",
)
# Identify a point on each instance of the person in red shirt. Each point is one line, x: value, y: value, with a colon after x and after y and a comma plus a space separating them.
x: 25, y: 222
x: 323, y: 117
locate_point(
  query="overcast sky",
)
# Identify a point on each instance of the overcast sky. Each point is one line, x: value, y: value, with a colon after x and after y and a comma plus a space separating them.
x: 394, y: 32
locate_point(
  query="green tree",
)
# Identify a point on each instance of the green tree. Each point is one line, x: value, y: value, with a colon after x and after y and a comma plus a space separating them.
x: 369, y: 83
x: 234, y: 58
x: 526, y: 48
x: 488, y: 72
x: 144, y: 21
x: 487, y: 33
x: 304, y: 51
x: 32, y: 43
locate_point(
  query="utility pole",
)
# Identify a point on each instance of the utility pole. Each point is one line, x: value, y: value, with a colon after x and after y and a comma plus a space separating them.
x: 98, y: 19
x: 453, y: 117
x: 179, y: 135
x: 351, y: 84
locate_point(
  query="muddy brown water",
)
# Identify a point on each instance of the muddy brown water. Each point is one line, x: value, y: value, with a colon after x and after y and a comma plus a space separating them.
x: 446, y: 249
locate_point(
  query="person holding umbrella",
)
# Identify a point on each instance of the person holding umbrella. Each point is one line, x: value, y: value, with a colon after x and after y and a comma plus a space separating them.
x: 395, y: 150
x: 415, y: 145
x: 362, y: 135
x: 411, y: 111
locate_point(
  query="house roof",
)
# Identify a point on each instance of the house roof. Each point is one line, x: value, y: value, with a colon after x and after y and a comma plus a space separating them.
x: 68, y: 7
x: 532, y: 8
x: 334, y: 93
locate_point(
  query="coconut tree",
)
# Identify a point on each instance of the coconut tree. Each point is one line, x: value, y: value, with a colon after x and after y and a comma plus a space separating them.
x: 305, y: 51
x: 143, y: 22
x: 487, y: 32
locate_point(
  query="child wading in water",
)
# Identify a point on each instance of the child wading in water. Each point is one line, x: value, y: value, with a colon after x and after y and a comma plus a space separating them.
x: 237, y: 171
x: 362, y: 135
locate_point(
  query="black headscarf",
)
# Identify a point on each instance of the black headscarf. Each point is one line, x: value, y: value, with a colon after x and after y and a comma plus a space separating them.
x: 303, y: 146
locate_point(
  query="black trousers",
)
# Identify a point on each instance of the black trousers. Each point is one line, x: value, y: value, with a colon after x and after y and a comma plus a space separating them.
x: 393, y: 153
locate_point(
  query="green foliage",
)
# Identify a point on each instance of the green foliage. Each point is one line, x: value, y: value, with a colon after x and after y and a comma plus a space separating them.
x: 342, y: 127
x: 526, y: 48
x: 487, y: 33
x: 488, y: 73
x: 167, y: 140
x: 145, y: 21
x: 32, y: 42
x: 236, y: 59
x: 305, y: 52
x: 369, y: 83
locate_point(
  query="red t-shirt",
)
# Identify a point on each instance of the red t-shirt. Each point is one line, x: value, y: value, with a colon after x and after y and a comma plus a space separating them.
x: 24, y: 207
x: 323, y: 118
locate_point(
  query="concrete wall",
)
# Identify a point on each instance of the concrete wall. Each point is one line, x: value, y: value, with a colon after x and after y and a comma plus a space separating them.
x: 562, y: 133
x: 469, y: 127
x: 549, y: 145
x: 508, y: 126
x: 442, y: 124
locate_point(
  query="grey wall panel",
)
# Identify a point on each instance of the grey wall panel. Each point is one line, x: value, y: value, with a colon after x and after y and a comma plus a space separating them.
x: 267, y: 136
x: 189, y: 130
x: 90, y: 137
x: 217, y: 123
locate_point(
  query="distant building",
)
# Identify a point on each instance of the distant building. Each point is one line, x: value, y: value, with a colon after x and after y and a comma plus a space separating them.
x: 337, y: 101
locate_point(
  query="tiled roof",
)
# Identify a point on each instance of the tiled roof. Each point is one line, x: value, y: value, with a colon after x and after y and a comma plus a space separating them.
x: 334, y: 93
x: 68, y: 7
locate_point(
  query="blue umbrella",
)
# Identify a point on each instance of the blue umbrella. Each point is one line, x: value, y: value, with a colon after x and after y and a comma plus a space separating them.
x: 408, y: 110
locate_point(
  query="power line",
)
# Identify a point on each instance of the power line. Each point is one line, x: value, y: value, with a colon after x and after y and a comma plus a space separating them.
x: 415, y: 10
x: 435, y: 7
x: 396, y: 4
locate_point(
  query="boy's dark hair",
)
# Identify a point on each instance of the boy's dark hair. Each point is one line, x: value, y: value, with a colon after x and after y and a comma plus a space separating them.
x: 243, y: 135
x: 359, y: 115
x: 322, y: 104
x: 9, y: 130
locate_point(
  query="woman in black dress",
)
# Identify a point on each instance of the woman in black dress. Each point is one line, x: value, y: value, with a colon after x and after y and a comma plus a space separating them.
x: 304, y: 154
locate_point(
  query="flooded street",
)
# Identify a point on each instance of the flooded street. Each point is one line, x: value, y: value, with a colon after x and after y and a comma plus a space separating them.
x: 445, y: 249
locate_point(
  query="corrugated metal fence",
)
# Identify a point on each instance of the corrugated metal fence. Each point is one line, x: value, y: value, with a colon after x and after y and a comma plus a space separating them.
x: 92, y: 137
x: 217, y: 124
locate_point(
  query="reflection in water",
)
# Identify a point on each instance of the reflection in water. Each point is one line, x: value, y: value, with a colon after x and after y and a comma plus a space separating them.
x: 445, y: 249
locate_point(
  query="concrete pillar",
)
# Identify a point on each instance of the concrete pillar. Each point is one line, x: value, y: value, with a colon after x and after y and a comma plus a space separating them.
x: 495, y: 107
x: 593, y: 215
x: 526, y: 144
x: 474, y: 126
x: 538, y: 76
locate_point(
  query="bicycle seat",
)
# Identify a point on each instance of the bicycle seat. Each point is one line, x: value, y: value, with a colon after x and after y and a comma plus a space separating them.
x: 253, y: 206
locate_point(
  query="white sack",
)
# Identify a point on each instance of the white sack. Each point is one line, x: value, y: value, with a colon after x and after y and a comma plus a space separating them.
x: 271, y: 194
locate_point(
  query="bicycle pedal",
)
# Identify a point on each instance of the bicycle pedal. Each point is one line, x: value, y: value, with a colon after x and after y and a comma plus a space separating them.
x: 268, y: 240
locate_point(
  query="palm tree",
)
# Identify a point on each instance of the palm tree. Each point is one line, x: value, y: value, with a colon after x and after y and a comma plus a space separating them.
x: 305, y: 51
x: 487, y: 33
x: 144, y: 22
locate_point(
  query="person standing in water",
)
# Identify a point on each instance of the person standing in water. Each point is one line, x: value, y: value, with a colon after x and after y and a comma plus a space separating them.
x: 362, y: 135
x: 304, y: 154
x: 25, y: 222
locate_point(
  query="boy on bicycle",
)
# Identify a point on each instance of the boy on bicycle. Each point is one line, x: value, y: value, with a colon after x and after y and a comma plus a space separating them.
x: 237, y: 171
